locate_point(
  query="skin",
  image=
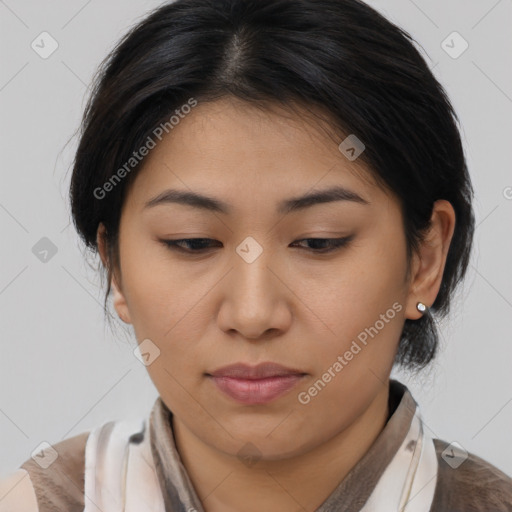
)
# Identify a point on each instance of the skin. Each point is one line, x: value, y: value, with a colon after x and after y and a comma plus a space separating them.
x: 289, y: 306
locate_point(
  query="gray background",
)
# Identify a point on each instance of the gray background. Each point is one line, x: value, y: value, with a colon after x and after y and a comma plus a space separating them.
x: 62, y: 372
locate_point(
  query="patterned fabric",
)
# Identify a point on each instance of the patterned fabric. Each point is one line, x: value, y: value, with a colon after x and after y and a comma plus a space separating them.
x: 474, y: 486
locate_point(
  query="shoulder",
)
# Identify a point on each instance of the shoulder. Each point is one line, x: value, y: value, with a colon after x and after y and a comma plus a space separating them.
x: 17, y: 493
x: 52, y: 480
x: 468, y: 483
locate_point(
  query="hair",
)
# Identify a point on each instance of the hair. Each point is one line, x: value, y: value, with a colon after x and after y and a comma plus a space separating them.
x: 340, y: 57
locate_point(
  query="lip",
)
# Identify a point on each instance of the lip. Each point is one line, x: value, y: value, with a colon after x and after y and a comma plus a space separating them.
x: 258, y: 384
x: 259, y: 371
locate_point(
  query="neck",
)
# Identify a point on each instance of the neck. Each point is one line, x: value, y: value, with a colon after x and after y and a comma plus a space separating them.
x: 304, y: 482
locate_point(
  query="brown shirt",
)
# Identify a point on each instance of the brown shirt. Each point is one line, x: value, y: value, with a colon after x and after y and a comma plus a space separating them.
x: 474, y: 486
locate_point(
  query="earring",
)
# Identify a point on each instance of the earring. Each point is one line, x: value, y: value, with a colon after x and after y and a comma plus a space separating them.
x: 421, y: 307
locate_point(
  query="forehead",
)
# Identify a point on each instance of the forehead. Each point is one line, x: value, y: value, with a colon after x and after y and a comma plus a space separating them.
x: 230, y: 148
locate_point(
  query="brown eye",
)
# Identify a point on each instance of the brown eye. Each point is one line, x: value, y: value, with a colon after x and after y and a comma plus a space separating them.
x: 324, y: 245
x: 191, y: 245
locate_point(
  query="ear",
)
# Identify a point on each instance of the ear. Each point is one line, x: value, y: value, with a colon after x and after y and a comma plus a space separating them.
x: 119, y: 300
x: 429, y: 261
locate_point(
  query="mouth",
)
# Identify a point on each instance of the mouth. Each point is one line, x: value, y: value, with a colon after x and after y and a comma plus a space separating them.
x: 255, y: 384
x: 260, y: 371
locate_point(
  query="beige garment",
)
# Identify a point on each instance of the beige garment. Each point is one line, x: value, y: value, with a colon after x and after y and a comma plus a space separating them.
x: 474, y: 486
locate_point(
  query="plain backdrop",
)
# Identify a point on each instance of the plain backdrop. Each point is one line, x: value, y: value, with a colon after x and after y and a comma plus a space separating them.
x: 62, y: 371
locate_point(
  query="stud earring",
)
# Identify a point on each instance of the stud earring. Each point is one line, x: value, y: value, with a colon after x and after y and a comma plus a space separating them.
x: 421, y: 307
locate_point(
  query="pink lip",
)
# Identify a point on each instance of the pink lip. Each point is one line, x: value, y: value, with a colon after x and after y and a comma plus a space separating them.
x: 256, y: 391
x: 255, y: 384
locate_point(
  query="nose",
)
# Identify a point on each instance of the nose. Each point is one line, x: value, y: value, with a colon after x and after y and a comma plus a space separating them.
x: 255, y: 300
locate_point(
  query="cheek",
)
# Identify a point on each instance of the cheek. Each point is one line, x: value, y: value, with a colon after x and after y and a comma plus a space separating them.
x: 365, y: 312
x: 153, y: 290
x: 353, y: 294
x: 363, y: 304
x: 167, y: 306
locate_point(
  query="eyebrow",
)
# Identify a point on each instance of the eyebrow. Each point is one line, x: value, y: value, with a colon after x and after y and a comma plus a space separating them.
x: 293, y: 204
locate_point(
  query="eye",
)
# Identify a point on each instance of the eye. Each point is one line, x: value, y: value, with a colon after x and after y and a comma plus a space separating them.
x: 198, y: 245
x: 325, y: 245
x: 192, y: 245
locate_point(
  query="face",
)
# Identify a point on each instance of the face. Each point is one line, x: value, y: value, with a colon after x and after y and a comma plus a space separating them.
x: 265, y: 283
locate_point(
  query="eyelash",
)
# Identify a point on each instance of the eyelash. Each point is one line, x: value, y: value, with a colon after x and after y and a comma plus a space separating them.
x: 334, y: 244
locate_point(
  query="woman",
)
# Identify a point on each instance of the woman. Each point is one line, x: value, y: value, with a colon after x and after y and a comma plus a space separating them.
x: 260, y: 181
